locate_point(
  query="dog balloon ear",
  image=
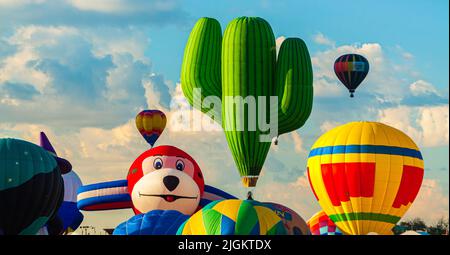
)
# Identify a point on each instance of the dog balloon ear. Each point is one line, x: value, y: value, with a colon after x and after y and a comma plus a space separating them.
x: 104, y: 196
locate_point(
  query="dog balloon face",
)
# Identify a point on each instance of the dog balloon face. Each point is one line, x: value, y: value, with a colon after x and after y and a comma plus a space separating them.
x: 165, y: 178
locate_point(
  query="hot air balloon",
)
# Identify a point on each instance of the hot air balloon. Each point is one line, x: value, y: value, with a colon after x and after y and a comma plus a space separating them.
x: 365, y: 176
x: 31, y: 187
x: 233, y: 217
x: 151, y: 124
x: 156, y: 222
x: 351, y: 69
x: 321, y: 224
x: 294, y: 223
x: 243, y: 65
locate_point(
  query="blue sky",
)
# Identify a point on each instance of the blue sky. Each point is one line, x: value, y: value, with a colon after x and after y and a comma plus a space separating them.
x: 81, y: 70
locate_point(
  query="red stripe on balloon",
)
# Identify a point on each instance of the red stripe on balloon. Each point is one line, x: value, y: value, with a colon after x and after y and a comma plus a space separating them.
x: 345, y: 180
x: 409, y: 186
x: 328, y: 181
x: 310, y: 184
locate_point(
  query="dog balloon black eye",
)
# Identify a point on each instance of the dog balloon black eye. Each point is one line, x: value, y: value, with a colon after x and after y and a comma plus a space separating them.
x: 158, y: 164
x: 180, y: 165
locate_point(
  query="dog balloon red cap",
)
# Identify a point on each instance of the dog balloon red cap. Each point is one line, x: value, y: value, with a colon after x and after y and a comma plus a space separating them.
x: 165, y: 178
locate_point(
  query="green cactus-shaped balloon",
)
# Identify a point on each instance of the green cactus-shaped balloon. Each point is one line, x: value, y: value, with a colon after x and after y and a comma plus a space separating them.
x: 244, y: 63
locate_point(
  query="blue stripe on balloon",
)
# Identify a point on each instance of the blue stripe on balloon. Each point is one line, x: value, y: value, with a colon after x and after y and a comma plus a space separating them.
x: 103, y: 200
x: 376, y: 149
x: 218, y: 192
x: 204, y: 202
x: 103, y: 185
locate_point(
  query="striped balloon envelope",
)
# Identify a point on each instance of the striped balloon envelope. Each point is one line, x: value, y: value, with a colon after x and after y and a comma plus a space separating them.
x: 151, y: 124
x: 321, y: 224
x: 234, y: 217
x: 351, y: 69
x: 365, y: 176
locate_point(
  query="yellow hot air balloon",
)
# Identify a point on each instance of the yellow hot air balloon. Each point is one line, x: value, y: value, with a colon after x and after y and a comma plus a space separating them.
x: 151, y: 124
x: 365, y: 176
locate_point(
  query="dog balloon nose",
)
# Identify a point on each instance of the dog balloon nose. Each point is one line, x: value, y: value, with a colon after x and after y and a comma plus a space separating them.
x: 171, y: 182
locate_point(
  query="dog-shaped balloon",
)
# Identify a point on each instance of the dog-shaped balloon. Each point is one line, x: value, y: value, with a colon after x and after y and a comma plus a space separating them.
x: 162, y: 178
x: 165, y: 178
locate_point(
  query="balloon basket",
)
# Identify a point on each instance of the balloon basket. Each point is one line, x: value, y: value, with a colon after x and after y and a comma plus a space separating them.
x: 249, y: 181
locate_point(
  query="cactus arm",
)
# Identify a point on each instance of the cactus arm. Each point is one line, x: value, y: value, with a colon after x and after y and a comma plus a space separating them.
x: 201, y: 63
x: 294, y: 85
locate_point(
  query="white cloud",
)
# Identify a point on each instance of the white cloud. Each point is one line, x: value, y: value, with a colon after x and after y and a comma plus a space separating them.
x: 321, y: 39
x: 16, y: 3
x: 430, y: 204
x: 122, y: 6
x: 78, y: 72
x: 428, y: 126
x: 421, y: 87
x: 408, y: 56
x: 298, y: 142
x: 328, y: 125
x: 326, y: 88
x: 296, y: 195
x: 108, y: 6
x: 278, y: 43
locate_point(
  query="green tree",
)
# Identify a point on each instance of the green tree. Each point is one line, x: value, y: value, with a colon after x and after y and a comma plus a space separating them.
x: 414, y: 224
x: 440, y: 228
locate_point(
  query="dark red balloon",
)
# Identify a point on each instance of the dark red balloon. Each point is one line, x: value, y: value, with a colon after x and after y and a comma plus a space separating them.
x: 351, y: 69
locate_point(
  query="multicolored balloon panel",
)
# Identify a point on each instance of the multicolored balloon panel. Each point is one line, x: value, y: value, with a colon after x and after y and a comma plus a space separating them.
x: 351, y: 69
x: 234, y: 217
x: 31, y: 187
x: 156, y: 222
x: 151, y: 124
x: 294, y: 223
x: 365, y: 176
x: 321, y: 224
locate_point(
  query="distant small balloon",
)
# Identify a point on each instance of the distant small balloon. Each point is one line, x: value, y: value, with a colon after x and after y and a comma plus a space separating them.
x: 351, y: 69
x: 151, y: 124
x: 321, y: 224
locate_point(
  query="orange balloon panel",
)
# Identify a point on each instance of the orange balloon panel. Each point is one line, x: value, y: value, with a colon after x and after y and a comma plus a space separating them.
x: 365, y: 176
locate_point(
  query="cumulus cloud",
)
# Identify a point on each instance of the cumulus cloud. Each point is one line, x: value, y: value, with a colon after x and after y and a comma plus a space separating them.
x: 321, y: 39
x: 328, y: 125
x: 95, y: 12
x: 424, y: 93
x: 77, y: 76
x: 408, y: 56
x: 427, y: 125
x: 298, y: 142
x: 431, y: 203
